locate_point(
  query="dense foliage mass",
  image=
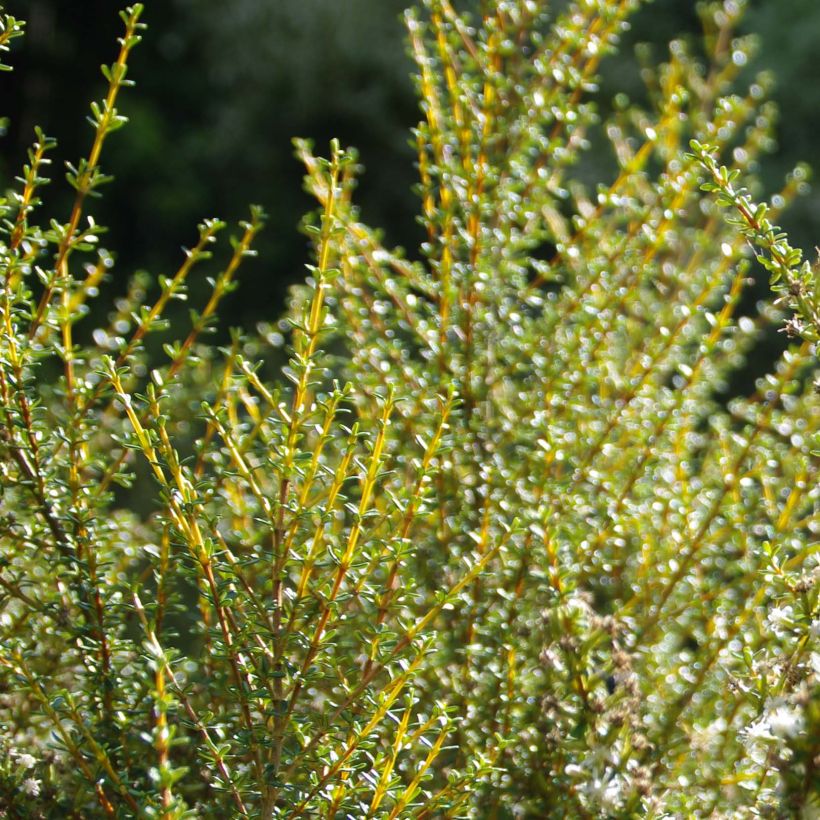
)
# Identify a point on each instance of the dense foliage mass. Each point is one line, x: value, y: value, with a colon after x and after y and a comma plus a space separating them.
x: 494, y: 546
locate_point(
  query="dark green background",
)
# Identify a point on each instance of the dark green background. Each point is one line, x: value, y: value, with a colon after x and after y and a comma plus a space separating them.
x: 222, y: 87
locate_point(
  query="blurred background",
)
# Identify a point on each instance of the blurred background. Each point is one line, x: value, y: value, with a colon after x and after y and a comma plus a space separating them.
x: 223, y: 87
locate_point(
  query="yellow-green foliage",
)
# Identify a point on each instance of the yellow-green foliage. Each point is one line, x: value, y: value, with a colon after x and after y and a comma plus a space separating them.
x: 494, y: 546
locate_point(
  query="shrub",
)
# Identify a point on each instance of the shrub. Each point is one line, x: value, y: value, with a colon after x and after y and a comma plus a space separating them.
x: 497, y: 545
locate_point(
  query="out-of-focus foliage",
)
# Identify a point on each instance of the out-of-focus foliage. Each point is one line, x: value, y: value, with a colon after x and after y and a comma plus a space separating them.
x: 223, y: 89
x: 491, y: 545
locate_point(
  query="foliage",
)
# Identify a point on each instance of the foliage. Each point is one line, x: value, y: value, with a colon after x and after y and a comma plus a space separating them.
x: 795, y: 279
x: 493, y: 546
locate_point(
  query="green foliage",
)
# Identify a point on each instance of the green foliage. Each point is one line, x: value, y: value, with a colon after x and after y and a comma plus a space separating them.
x: 795, y: 279
x: 492, y: 546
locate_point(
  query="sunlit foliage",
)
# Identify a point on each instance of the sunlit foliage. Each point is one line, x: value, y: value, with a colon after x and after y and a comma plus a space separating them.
x: 496, y: 544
